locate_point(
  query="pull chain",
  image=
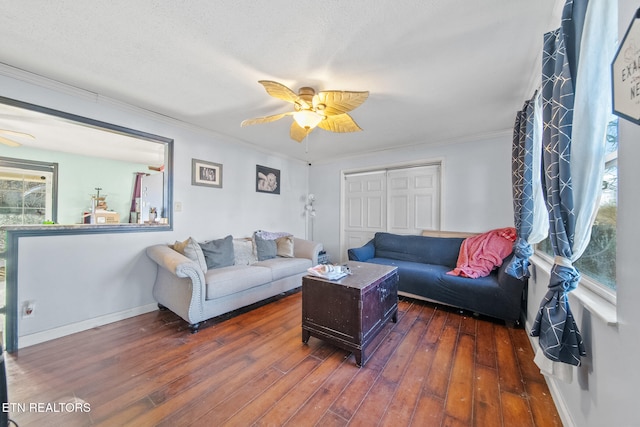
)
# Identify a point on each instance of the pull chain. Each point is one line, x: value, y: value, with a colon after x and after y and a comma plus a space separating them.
x: 306, y: 143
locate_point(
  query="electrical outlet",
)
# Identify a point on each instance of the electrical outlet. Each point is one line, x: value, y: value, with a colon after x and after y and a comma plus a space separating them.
x: 28, y: 309
x: 177, y: 207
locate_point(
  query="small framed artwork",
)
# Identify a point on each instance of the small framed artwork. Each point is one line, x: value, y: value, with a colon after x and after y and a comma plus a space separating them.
x: 207, y: 174
x: 267, y: 180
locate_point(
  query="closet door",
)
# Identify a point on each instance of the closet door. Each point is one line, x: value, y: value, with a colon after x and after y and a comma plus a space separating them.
x: 400, y: 201
x: 364, y: 207
x: 413, y: 197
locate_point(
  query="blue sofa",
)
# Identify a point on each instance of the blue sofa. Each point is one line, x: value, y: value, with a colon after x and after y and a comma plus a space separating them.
x: 423, y: 262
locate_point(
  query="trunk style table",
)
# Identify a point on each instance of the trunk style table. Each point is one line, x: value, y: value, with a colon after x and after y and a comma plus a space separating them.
x: 351, y: 311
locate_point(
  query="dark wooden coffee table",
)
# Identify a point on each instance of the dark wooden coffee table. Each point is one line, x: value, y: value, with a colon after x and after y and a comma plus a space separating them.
x: 351, y: 311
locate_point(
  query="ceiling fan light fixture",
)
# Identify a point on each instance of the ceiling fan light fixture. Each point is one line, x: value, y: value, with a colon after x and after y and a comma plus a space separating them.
x: 326, y: 109
x: 307, y: 119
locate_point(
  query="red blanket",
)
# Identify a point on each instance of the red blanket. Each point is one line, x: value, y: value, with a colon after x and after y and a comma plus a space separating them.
x: 482, y: 253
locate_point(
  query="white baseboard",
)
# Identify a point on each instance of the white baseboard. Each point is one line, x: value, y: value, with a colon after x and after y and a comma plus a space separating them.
x: 51, y: 334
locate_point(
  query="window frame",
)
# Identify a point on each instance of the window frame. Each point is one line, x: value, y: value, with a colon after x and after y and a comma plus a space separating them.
x: 586, y: 281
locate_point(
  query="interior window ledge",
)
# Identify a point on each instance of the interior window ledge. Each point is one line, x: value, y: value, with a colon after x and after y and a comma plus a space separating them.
x: 597, y: 305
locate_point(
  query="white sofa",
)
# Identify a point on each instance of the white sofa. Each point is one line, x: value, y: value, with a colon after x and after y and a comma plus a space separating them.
x: 196, y: 295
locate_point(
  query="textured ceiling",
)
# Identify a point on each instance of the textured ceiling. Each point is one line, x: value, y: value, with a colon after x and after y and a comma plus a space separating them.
x: 437, y: 70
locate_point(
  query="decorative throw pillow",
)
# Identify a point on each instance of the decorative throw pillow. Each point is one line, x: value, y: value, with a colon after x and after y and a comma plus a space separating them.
x: 284, y: 246
x: 265, y: 249
x: 191, y: 249
x: 271, y: 235
x: 243, y: 251
x: 218, y: 253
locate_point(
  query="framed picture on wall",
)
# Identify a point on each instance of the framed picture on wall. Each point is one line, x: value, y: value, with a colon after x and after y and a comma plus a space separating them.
x: 267, y: 180
x: 207, y: 174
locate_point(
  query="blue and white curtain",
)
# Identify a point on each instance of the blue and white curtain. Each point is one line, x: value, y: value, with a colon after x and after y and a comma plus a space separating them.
x: 573, y: 163
x: 529, y: 211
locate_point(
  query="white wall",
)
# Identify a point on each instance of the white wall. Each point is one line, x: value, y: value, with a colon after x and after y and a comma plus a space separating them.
x: 476, y: 185
x: 85, y: 279
x: 604, y: 389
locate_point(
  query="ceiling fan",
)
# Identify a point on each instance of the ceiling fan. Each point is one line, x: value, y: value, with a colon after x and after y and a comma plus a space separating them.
x: 11, y: 142
x: 325, y: 109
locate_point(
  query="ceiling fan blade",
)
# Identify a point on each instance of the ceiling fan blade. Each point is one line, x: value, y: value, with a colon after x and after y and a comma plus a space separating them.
x: 334, y: 102
x: 298, y: 133
x: 16, y: 133
x: 8, y: 142
x: 267, y: 119
x: 280, y: 91
x: 340, y: 123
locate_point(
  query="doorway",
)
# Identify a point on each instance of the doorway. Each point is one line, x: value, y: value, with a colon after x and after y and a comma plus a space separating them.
x: 28, y: 192
x: 402, y: 200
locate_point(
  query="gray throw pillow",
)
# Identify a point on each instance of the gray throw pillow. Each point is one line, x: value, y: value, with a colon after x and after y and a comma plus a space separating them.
x: 265, y: 249
x: 218, y: 253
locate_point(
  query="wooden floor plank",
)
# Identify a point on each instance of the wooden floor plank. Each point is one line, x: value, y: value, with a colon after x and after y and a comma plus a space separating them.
x: 331, y: 419
x: 487, y: 409
x: 217, y: 389
x: 542, y: 407
x: 301, y: 392
x: 515, y: 410
x: 309, y: 413
x: 459, y: 403
x: 124, y: 417
x: 216, y: 410
x: 485, y: 345
x: 468, y: 325
x: 382, y: 393
x: 440, y: 372
x: 352, y: 397
x: 401, y: 407
x: 182, y: 402
x: 524, y: 353
x: 508, y: 368
x: 428, y: 412
x: 316, y: 408
x: 435, y: 326
x: 256, y: 408
x: 434, y: 367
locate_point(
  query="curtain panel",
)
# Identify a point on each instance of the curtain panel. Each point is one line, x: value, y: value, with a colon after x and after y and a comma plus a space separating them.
x: 529, y: 209
x: 522, y: 184
x: 559, y: 337
x: 577, y: 55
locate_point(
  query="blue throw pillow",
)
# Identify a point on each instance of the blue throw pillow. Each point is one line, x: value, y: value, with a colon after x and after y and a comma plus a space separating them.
x: 218, y: 253
x: 266, y: 249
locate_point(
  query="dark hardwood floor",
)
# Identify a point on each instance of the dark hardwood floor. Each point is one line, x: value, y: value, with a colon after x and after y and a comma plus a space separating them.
x: 435, y: 367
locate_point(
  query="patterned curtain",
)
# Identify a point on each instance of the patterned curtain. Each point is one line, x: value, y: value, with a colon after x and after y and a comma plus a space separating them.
x: 522, y: 182
x: 560, y: 339
x: 573, y: 162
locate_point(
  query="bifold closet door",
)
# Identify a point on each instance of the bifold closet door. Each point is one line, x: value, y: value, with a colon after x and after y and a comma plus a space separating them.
x: 401, y: 201
x: 364, y: 207
x: 413, y: 200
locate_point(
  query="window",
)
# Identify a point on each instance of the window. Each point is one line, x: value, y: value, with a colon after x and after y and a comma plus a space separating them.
x: 93, y: 154
x: 598, y: 263
x: 28, y: 192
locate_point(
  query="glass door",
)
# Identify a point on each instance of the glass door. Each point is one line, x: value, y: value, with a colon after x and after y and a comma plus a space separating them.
x: 27, y: 196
